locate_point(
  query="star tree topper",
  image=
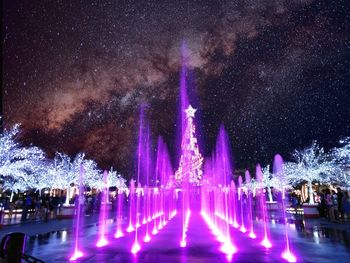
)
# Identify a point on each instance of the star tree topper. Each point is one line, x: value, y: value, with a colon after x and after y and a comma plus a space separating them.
x: 190, y: 111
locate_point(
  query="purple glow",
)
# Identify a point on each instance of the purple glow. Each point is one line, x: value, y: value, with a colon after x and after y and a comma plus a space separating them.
x: 118, y: 234
x: 103, y: 214
x: 242, y: 229
x: 228, y: 248
x: 147, y: 238
x: 252, y: 235
x: 288, y: 256
x: 77, y: 254
x: 278, y: 171
x: 78, y: 204
x: 135, y: 248
x: 130, y: 229
x: 183, y: 243
x: 102, y: 242
x: 154, y: 231
x: 266, y: 243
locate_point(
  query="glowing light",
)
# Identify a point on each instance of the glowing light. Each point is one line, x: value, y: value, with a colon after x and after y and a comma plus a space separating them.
x: 243, y: 229
x: 118, y: 234
x: 77, y: 254
x: 191, y: 161
x: 235, y: 224
x: 135, y: 248
x: 130, y: 229
x: 102, y: 242
x: 154, y: 231
x: 252, y: 235
x: 147, y: 238
x: 288, y: 256
x: 144, y: 221
x: 183, y: 243
x: 266, y: 243
x: 228, y: 248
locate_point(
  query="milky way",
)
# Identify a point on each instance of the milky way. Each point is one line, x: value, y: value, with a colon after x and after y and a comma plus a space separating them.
x: 276, y: 73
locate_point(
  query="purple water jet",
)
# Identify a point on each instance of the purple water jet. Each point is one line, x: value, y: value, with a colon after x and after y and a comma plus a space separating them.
x: 79, y: 202
x: 278, y: 171
x: 250, y: 211
x: 102, y: 241
x: 119, y: 231
x: 259, y: 175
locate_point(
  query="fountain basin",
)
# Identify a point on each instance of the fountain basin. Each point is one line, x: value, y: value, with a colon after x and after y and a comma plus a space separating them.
x: 311, y: 211
x: 66, y: 212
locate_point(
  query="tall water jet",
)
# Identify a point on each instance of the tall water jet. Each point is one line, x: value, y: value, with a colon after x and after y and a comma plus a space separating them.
x: 102, y: 241
x: 156, y: 189
x: 259, y: 175
x: 136, y: 246
x: 250, y: 210
x: 79, y: 203
x: 234, y: 204
x: 146, y: 205
x: 131, y: 206
x: 223, y: 158
x: 119, y: 232
x: 241, y: 197
x: 278, y: 172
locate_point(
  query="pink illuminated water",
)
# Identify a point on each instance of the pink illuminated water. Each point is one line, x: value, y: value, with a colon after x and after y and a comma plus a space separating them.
x: 250, y: 212
x: 265, y: 242
x: 79, y: 203
x: 119, y: 231
x: 102, y: 241
x: 278, y: 171
x: 241, y: 196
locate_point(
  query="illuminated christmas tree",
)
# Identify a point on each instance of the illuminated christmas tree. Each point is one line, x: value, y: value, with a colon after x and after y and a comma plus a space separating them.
x: 191, y: 161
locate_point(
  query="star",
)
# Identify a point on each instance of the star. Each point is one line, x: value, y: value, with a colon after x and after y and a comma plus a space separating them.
x: 190, y: 111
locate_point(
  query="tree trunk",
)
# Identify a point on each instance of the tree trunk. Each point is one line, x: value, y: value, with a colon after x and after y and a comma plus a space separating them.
x: 270, y: 194
x: 11, y: 197
x: 67, y: 197
x: 311, y: 195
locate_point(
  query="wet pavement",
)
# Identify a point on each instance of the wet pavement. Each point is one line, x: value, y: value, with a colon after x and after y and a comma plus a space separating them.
x: 319, y: 241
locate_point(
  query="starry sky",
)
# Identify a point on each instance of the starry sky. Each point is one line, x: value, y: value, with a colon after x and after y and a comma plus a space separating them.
x: 276, y: 73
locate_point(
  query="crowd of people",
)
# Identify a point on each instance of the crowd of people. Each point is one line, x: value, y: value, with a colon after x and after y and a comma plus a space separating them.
x: 33, y: 206
x: 334, y: 205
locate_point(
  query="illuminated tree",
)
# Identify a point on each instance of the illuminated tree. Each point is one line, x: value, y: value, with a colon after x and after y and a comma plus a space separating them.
x: 18, y: 163
x: 311, y: 165
x: 191, y: 161
x: 113, y: 179
x: 341, y: 156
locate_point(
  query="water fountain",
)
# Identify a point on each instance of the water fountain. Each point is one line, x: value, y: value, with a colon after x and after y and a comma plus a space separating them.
x: 79, y: 208
x: 259, y: 175
x: 241, y: 197
x: 250, y: 211
x: 131, y: 206
x: 102, y: 241
x: 278, y: 171
x: 225, y: 208
x: 119, y: 231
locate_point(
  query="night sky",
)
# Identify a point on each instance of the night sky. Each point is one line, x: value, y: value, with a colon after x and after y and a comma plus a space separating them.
x: 275, y: 73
